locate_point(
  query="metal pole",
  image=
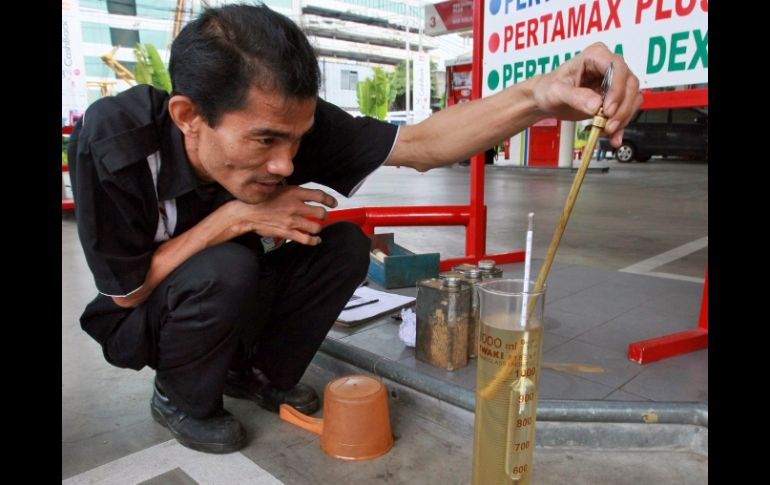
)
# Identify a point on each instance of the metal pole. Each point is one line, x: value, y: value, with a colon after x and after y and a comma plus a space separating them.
x: 422, y: 25
x: 407, y: 99
x: 476, y: 232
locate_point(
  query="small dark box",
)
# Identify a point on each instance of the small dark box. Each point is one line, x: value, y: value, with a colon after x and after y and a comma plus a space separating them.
x: 392, y: 266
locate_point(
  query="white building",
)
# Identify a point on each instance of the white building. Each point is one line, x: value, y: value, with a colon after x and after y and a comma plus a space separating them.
x: 350, y: 36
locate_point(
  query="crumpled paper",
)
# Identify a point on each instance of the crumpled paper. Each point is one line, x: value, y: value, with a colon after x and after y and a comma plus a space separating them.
x: 407, y: 331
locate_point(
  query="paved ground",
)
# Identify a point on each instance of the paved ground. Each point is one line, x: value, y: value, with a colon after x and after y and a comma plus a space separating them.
x: 635, y: 217
x: 591, y: 316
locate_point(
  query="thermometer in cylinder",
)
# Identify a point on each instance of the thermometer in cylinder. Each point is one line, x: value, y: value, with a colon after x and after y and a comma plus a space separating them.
x: 527, y: 267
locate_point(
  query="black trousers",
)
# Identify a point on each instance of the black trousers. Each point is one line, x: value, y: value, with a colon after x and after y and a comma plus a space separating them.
x: 230, y: 306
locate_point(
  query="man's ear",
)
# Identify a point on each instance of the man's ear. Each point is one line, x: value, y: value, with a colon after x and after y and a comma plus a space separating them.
x: 185, y: 115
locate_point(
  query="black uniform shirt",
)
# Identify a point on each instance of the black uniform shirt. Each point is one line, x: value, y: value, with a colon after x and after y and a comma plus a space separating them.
x: 134, y: 187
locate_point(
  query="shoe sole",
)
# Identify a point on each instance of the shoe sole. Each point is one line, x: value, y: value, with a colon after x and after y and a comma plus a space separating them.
x: 218, y: 448
x: 308, y: 408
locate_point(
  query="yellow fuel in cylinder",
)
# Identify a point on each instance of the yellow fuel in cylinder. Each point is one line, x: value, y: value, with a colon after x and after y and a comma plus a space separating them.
x: 504, y: 429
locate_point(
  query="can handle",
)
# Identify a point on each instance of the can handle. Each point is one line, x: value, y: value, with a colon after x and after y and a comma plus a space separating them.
x: 291, y: 415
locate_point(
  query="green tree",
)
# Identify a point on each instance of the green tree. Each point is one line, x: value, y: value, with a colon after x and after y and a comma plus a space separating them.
x: 397, y: 99
x: 150, y: 68
x: 373, y: 95
x: 397, y: 82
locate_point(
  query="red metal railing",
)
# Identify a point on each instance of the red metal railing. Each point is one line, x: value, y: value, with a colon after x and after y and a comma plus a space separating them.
x: 473, y: 216
x: 66, y: 203
x: 650, y: 350
x: 682, y: 98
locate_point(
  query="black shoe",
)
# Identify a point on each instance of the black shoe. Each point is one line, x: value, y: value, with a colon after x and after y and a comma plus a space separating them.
x: 255, y: 385
x: 220, y: 433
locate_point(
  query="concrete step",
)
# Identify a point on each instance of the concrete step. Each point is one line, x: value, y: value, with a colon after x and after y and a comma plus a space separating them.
x: 577, y: 441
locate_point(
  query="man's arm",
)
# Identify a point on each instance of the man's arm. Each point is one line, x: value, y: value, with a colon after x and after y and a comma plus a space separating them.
x: 172, y: 253
x: 285, y: 215
x: 569, y: 93
x: 456, y: 133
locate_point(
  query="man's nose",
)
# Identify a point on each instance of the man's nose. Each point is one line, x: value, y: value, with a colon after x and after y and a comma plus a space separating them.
x: 281, y: 163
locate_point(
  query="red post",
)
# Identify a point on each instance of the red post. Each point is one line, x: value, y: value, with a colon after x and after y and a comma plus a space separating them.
x: 476, y: 231
x: 650, y: 350
x: 66, y: 204
x: 703, y: 319
x: 472, y: 216
x: 657, y: 348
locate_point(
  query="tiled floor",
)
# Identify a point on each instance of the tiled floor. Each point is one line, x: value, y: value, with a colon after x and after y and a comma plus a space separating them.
x: 629, y: 214
x: 591, y: 316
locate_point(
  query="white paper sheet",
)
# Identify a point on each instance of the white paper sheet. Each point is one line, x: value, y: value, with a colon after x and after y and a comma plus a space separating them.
x: 386, y: 302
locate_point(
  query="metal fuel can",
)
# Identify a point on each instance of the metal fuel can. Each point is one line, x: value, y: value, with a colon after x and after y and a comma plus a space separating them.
x: 489, y: 269
x: 462, y: 268
x: 451, y: 274
x: 443, y: 312
x: 473, y: 276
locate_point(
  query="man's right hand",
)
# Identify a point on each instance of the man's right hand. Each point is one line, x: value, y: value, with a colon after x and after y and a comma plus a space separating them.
x: 287, y: 214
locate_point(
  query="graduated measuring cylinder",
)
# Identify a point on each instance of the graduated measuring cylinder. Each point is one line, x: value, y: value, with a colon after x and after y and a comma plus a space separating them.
x: 508, y: 369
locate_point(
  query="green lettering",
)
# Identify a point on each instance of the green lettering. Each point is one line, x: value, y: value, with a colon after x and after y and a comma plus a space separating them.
x: 543, y: 63
x: 507, y: 74
x: 657, y: 46
x: 517, y: 74
x: 702, y: 50
x: 677, y: 49
x: 568, y: 56
x: 530, y: 68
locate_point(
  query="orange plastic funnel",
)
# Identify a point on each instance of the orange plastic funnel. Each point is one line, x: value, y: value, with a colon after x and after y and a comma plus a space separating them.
x: 356, y: 424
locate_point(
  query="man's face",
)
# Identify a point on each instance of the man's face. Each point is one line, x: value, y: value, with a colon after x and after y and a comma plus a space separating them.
x: 250, y: 151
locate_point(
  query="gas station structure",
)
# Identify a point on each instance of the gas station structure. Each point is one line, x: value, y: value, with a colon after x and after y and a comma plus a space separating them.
x: 464, y: 82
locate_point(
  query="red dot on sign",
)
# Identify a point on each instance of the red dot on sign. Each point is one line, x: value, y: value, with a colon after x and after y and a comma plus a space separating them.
x: 494, y: 42
x: 77, y: 72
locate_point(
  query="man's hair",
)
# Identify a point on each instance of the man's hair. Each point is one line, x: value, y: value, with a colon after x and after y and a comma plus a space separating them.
x: 218, y: 57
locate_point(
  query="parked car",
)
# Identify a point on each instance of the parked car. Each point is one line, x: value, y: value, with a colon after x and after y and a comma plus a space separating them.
x: 676, y: 132
x: 396, y: 117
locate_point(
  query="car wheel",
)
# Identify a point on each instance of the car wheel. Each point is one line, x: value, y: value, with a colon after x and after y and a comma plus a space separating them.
x: 625, y: 153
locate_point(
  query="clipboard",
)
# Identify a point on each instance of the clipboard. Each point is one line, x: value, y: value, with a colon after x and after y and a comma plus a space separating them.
x: 367, y: 304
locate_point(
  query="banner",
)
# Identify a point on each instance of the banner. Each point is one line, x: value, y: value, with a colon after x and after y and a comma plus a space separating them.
x: 74, y: 91
x: 448, y: 17
x: 421, y: 86
x: 665, y: 42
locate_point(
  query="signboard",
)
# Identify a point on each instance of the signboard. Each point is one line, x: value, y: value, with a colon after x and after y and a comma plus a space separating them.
x: 446, y: 17
x: 421, y: 86
x: 74, y: 94
x: 665, y: 42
